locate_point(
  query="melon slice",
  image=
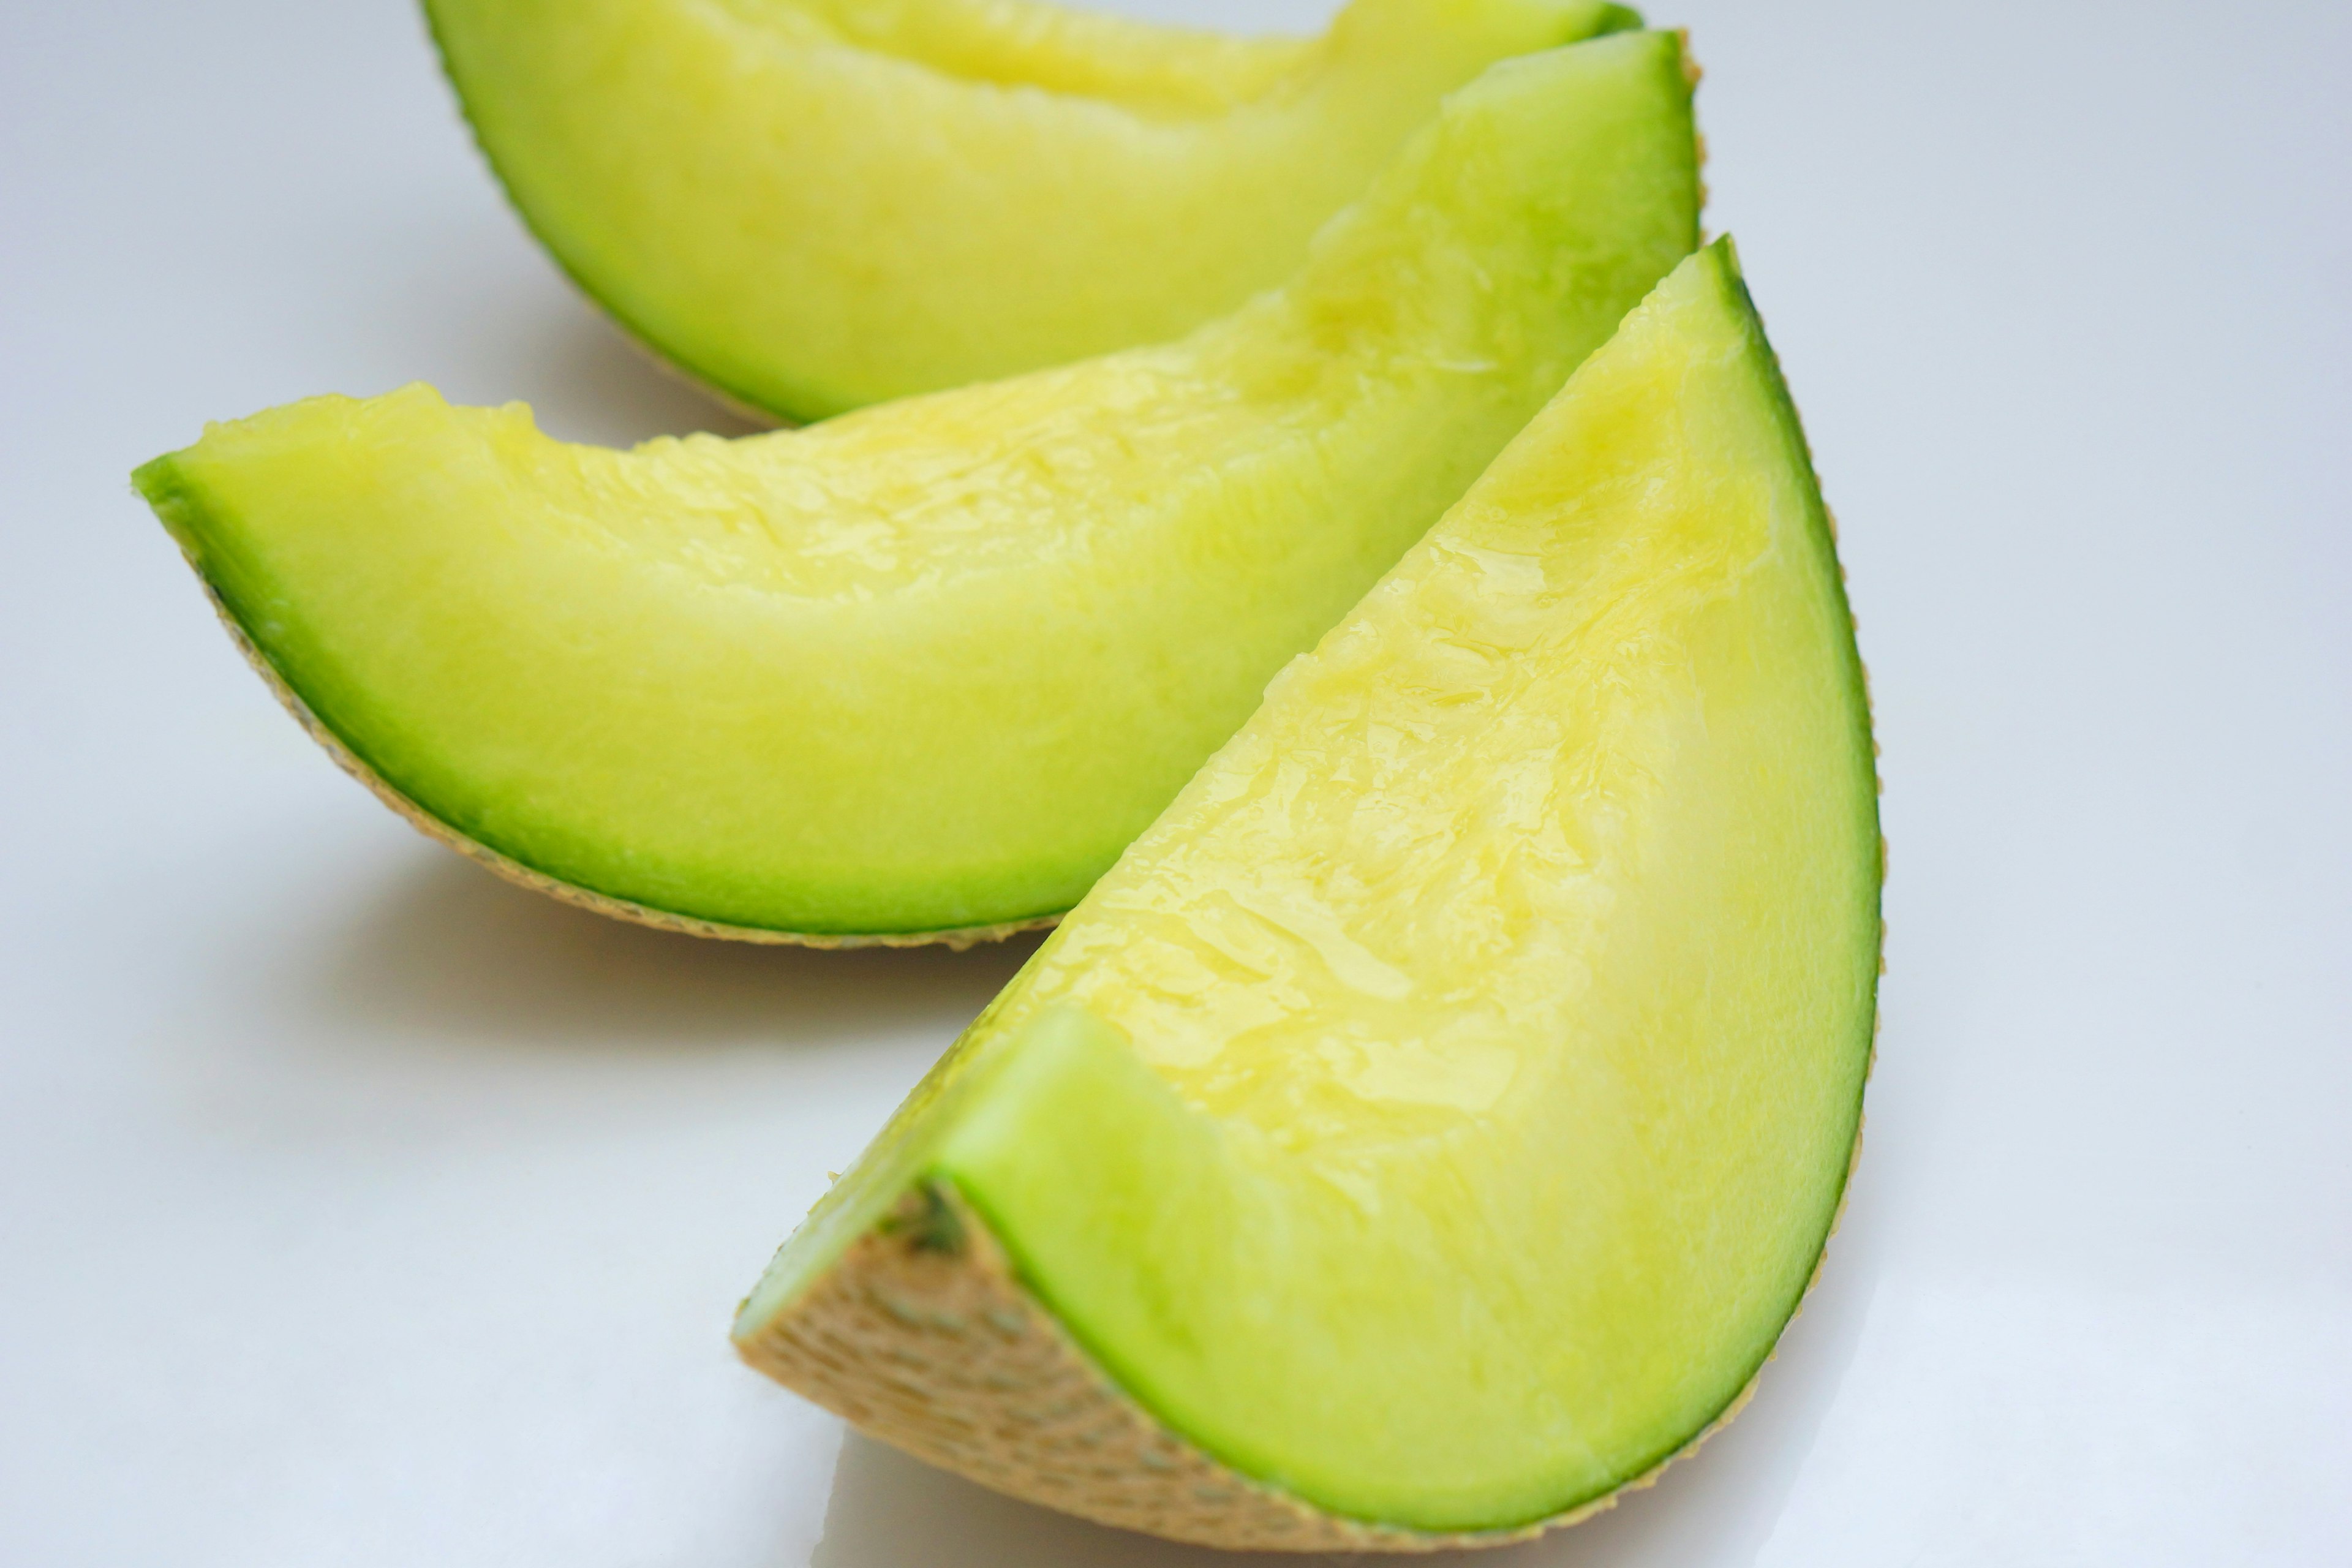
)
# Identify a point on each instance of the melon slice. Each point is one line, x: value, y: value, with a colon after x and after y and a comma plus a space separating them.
x: 1427, y: 1128
x: 815, y: 205
x: 929, y: 668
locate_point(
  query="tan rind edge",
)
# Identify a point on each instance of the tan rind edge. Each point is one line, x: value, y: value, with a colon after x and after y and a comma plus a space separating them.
x: 515, y: 871
x: 922, y: 1336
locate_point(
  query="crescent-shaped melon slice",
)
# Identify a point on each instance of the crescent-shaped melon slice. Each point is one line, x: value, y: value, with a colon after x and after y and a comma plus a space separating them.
x: 1428, y: 1127
x: 929, y: 668
x: 815, y: 205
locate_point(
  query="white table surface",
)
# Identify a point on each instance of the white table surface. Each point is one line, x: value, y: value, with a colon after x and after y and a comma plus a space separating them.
x: 358, y: 1209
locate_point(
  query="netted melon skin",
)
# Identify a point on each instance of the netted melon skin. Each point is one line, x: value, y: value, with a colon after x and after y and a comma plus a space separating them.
x: 923, y: 1337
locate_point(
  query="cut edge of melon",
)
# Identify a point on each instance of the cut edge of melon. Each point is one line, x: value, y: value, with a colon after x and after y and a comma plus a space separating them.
x: 956, y: 939
x: 990, y: 1386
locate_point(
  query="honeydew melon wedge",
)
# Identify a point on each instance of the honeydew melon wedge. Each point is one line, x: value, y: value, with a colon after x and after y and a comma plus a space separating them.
x: 1427, y: 1128
x: 815, y: 205
x: 927, y: 668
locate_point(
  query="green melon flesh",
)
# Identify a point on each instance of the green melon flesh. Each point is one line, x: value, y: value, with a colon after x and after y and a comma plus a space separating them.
x: 932, y: 666
x: 815, y: 205
x: 1439, y: 1113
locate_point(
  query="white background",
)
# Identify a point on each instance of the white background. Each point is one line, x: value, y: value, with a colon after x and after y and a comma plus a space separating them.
x: 358, y: 1209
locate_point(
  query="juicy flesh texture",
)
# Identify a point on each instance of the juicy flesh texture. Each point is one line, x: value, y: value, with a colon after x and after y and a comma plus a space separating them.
x: 933, y: 665
x: 1441, y: 1110
x: 815, y: 206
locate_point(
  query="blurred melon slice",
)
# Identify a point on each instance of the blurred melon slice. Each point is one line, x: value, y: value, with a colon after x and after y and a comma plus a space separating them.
x: 815, y: 205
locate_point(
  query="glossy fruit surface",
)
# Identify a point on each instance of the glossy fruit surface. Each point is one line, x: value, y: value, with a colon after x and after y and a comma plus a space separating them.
x: 817, y: 204
x: 1435, y: 1117
x: 929, y: 668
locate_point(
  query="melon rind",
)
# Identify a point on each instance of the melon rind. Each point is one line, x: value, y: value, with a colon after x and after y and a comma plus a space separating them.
x: 956, y: 939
